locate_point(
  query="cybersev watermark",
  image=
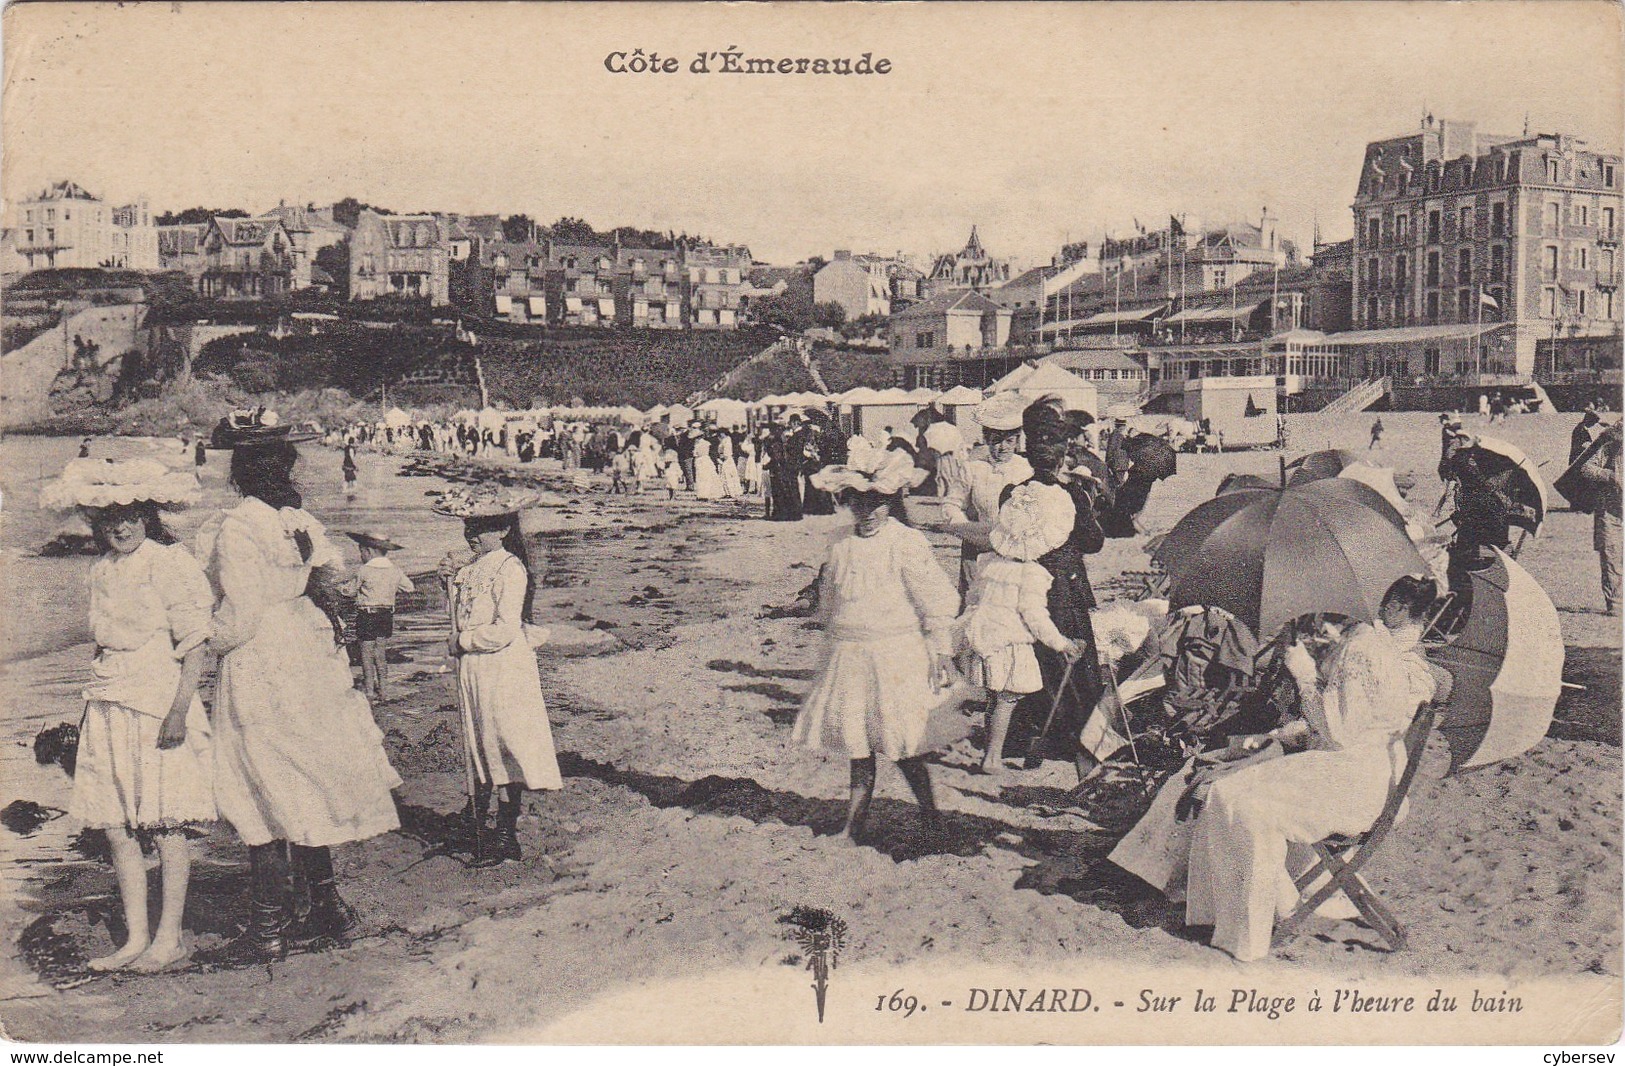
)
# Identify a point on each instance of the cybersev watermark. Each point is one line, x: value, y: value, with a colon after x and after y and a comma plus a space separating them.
x: 821, y: 936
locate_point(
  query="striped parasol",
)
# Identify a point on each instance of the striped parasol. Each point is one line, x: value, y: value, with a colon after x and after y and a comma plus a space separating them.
x: 1507, y: 665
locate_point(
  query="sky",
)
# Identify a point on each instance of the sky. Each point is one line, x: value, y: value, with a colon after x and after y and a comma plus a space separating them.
x: 1036, y: 122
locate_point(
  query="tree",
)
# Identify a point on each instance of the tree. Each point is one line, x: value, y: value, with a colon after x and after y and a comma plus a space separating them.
x: 829, y: 314
x: 335, y: 259
x: 347, y: 212
x: 193, y: 216
x: 572, y: 230
x: 518, y: 228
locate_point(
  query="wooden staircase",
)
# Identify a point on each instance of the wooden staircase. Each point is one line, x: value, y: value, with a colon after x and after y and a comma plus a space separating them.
x: 1358, y: 398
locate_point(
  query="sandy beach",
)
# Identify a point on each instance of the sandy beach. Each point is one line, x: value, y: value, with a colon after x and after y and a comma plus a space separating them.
x: 688, y: 827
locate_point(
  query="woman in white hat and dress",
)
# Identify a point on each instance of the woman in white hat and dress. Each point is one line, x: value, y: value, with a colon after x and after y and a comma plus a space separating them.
x: 144, y: 755
x: 974, y: 505
x: 299, y: 763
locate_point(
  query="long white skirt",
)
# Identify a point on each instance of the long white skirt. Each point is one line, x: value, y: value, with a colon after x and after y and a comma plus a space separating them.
x: 707, y: 485
x: 1240, y: 876
x: 876, y: 696
x: 505, y: 718
x: 122, y: 777
x: 731, y: 488
x: 297, y: 754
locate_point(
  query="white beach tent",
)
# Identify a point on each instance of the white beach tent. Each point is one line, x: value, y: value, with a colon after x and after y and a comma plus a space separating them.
x: 960, y: 396
x: 861, y: 396
x: 725, y: 411
x: 1049, y: 380
x: 395, y: 418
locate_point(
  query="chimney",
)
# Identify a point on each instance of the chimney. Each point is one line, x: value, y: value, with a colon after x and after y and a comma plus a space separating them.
x: 842, y: 254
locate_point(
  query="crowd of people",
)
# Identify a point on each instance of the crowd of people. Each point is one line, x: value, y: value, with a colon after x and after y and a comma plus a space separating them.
x: 291, y: 758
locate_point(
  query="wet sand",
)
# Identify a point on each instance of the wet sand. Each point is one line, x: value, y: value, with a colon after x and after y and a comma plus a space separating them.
x: 687, y: 827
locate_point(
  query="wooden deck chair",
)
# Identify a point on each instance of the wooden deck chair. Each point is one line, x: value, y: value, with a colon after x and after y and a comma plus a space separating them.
x: 1339, y: 858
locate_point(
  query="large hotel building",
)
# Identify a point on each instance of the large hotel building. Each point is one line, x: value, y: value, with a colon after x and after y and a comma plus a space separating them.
x: 1453, y: 226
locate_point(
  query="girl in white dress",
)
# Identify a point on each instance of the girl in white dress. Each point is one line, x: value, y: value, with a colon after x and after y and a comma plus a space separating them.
x: 144, y: 756
x: 508, y: 741
x: 299, y: 764
x: 889, y: 611
x: 1008, y: 608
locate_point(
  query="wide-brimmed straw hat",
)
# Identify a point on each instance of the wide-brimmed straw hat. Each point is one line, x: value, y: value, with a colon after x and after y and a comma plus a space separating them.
x: 1002, y: 411
x: 1033, y: 522
x: 887, y: 472
x: 368, y: 539
x: 107, y: 483
x: 489, y: 501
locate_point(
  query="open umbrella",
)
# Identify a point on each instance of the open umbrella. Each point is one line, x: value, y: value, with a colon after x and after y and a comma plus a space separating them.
x: 1507, y: 665
x: 1316, y: 465
x: 1522, y: 481
x: 1269, y: 556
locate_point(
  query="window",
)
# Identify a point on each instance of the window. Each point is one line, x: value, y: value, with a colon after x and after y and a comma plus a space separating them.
x: 1605, y: 266
x: 1608, y: 220
x: 1498, y: 219
x: 1464, y: 266
x: 1582, y: 215
x: 1608, y: 174
x: 1433, y: 268
x: 1465, y: 222
x: 1608, y: 305
x: 1430, y: 362
x: 927, y: 339
x: 1433, y: 307
x: 30, y: 214
x: 30, y: 236
x: 1435, y: 223
x: 1554, y: 217
x: 1220, y: 274
x: 1580, y: 298
x: 67, y: 215
x: 1549, y: 305
x: 1371, y: 310
x: 1583, y: 254
x: 1402, y: 272
x: 1373, y: 228
x: 1373, y: 272
x: 1551, y: 171
x: 50, y: 236
x: 50, y: 214
x: 1403, y: 225
x: 1497, y: 262
x: 1551, y: 262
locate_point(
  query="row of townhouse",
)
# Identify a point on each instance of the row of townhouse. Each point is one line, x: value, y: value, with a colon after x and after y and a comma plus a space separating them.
x: 556, y: 283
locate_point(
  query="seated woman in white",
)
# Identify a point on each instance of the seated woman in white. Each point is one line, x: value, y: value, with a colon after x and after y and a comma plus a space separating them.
x: 1358, y: 708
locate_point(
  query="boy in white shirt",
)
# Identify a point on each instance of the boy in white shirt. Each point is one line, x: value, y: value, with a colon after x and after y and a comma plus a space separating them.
x: 375, y: 587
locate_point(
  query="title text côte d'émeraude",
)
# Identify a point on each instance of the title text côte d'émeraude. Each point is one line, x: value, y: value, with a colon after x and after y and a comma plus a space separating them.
x: 734, y: 61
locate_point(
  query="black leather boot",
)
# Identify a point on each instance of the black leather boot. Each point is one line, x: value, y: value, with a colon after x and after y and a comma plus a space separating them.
x: 264, y: 939
x: 329, y: 921
x: 504, y: 847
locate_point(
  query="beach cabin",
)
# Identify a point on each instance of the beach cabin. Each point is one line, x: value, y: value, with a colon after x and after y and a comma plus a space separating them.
x: 1241, y: 409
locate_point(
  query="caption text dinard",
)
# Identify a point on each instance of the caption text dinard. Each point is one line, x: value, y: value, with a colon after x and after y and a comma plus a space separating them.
x: 1249, y: 1001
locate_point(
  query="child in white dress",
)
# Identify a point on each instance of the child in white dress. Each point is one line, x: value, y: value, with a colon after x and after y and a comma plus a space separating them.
x: 508, y: 741
x: 1007, y: 609
x: 144, y: 754
x: 889, y: 611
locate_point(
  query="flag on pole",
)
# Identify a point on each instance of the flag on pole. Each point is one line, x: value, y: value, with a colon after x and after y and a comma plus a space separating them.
x: 1487, y: 300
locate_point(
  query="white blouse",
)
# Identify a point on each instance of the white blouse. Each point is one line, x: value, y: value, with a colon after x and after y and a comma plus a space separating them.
x: 148, y: 609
